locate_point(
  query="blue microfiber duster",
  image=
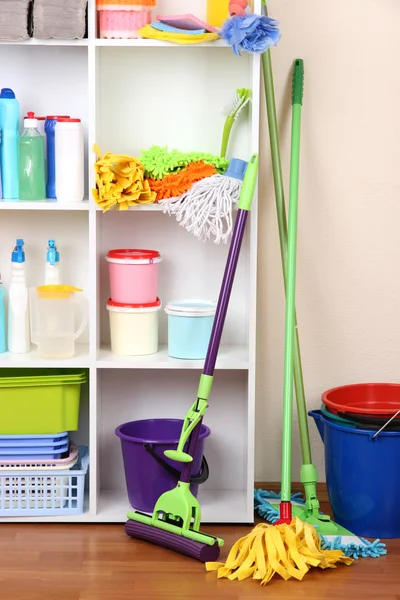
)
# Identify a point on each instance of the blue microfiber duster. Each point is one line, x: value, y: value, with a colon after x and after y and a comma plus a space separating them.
x: 250, y: 33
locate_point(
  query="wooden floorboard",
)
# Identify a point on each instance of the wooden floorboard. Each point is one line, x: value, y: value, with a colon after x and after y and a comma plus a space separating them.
x: 99, y: 562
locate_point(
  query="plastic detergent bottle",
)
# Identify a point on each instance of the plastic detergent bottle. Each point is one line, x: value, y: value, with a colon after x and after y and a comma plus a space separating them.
x: 18, y: 304
x: 9, y: 133
x: 70, y: 160
x: 52, y: 265
x: 32, y: 175
x: 3, y: 337
x: 49, y: 128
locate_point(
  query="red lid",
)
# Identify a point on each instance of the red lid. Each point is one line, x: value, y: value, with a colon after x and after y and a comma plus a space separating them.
x: 133, y: 254
x: 124, y: 305
x: 41, y: 118
x: 67, y: 120
x: 56, y: 118
x: 30, y: 115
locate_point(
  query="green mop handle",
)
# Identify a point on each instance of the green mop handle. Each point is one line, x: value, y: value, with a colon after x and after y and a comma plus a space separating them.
x: 297, y: 100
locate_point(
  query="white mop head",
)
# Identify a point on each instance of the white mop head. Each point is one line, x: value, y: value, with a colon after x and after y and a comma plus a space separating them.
x: 206, y: 209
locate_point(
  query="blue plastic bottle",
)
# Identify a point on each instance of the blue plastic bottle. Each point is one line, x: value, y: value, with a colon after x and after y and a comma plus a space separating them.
x: 9, y: 132
x: 49, y: 127
x: 3, y: 335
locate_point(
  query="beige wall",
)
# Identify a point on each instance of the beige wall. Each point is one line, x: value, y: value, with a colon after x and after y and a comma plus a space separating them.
x: 348, y: 283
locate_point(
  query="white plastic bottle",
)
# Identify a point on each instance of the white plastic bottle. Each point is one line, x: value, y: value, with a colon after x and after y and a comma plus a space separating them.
x: 18, y: 304
x: 52, y: 265
x: 70, y: 160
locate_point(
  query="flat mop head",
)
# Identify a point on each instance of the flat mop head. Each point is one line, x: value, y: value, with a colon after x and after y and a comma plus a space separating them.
x: 175, y: 525
x: 197, y: 550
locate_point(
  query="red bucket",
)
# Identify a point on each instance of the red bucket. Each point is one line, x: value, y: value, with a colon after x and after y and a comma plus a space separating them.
x: 381, y: 399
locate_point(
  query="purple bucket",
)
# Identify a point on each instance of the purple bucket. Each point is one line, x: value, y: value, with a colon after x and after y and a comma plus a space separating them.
x: 146, y: 467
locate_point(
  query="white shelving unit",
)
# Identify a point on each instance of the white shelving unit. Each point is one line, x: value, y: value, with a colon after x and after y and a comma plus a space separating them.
x: 132, y: 94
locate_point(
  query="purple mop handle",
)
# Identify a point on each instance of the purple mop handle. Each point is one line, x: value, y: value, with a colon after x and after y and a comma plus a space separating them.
x: 225, y: 293
x: 218, y: 324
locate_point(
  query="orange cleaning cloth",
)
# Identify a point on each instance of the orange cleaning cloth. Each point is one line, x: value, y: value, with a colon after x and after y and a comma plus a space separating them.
x: 176, y: 184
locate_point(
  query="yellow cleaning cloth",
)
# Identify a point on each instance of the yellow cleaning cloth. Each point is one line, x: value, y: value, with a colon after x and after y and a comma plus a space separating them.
x: 120, y: 181
x: 288, y: 550
x: 178, y: 38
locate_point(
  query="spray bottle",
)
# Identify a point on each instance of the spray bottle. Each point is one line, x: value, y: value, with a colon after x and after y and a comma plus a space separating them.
x: 18, y: 304
x: 52, y: 265
x: 3, y: 337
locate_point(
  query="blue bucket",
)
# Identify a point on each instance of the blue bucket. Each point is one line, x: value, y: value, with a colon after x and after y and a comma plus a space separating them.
x: 189, y: 328
x: 363, y: 478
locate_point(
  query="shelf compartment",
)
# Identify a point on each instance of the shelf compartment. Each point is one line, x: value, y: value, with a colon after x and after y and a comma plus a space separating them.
x: 189, y: 269
x: 132, y: 394
x: 229, y: 357
x: 183, y: 110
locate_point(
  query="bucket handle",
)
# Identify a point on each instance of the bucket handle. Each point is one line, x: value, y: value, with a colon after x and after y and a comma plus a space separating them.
x: 201, y: 478
x: 386, y: 424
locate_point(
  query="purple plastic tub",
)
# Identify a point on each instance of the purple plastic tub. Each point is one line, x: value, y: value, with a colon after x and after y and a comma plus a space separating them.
x: 145, y: 478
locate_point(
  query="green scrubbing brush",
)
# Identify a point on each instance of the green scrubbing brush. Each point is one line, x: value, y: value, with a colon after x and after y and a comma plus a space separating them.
x: 232, y: 111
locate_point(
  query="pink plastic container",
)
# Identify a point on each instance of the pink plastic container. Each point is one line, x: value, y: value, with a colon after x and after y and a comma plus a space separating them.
x: 133, y: 275
x: 122, y: 21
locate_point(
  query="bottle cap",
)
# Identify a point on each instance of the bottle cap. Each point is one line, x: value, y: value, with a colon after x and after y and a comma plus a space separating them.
x: 237, y: 168
x: 52, y: 255
x: 67, y: 120
x: 30, y: 120
x: 7, y: 93
x: 18, y: 255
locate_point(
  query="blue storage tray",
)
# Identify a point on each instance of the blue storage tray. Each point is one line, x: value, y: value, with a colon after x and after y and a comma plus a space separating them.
x: 34, y: 444
x: 51, y: 437
x: 32, y: 453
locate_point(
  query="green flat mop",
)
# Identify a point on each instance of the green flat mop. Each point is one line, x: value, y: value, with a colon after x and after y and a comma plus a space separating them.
x: 334, y: 536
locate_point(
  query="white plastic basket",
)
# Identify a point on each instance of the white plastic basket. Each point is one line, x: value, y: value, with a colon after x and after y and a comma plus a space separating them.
x: 39, y: 493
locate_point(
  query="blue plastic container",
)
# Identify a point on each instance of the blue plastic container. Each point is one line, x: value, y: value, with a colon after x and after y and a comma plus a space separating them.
x: 33, y: 443
x: 9, y: 144
x: 49, y: 128
x: 189, y: 328
x: 363, y: 478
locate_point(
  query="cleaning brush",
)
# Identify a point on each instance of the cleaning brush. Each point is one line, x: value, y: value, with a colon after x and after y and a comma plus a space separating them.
x: 232, y: 110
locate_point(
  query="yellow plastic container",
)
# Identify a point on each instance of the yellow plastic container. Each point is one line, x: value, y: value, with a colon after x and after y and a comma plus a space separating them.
x: 217, y: 12
x: 39, y: 401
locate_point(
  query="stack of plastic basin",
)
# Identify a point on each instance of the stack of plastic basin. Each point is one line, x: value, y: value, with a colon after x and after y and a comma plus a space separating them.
x: 19, y: 447
x: 42, y: 473
x: 360, y: 427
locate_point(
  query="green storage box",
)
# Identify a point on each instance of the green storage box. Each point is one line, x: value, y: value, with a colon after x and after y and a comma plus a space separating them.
x: 39, y: 401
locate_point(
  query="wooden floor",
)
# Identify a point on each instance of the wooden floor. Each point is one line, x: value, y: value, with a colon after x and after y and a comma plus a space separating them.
x: 99, y: 562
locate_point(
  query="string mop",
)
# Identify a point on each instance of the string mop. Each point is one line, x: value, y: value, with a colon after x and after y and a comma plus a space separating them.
x: 286, y: 550
x: 205, y: 210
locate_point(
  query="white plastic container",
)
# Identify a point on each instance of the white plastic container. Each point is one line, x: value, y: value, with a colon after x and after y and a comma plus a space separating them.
x: 18, y: 341
x: 70, y: 162
x: 134, y: 328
